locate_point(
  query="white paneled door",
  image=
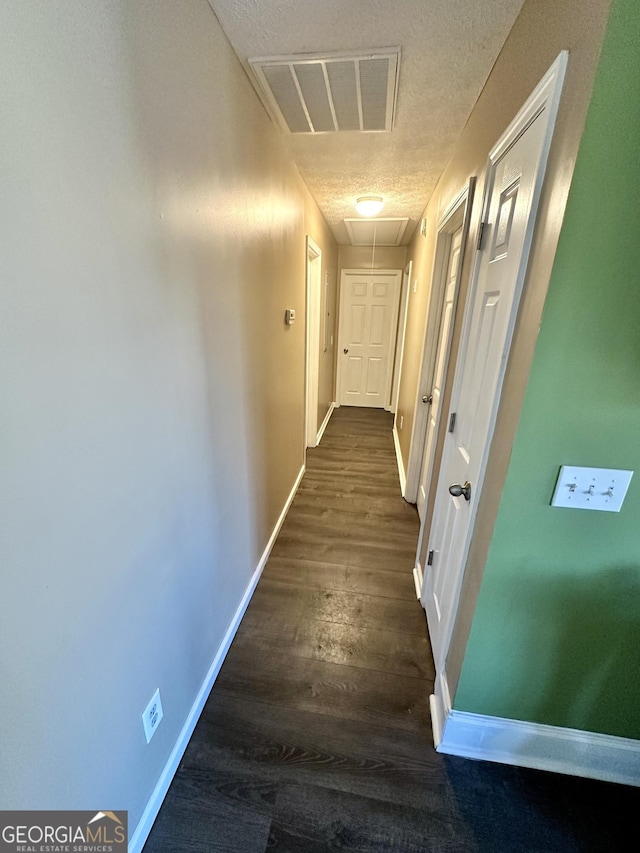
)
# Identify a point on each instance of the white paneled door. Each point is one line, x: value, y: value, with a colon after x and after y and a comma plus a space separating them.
x: 367, y: 337
x: 434, y: 399
x: 512, y: 190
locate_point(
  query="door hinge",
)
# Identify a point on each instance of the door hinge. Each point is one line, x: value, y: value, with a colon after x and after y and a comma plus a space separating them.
x: 481, y: 233
x: 430, y: 558
x: 452, y: 421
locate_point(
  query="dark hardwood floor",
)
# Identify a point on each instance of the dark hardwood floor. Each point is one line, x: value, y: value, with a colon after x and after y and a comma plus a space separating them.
x: 317, y: 737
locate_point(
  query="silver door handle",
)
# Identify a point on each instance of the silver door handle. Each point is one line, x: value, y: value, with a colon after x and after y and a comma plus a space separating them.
x: 345, y: 350
x: 427, y: 398
x: 456, y: 490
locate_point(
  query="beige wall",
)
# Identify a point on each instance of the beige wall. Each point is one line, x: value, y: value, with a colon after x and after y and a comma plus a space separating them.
x: 154, y: 233
x: 543, y: 29
x: 366, y: 257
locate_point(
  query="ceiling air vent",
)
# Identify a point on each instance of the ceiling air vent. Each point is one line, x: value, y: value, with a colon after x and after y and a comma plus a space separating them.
x: 326, y: 93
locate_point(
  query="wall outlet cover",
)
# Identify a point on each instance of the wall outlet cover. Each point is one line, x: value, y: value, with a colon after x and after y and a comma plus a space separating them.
x: 152, y: 715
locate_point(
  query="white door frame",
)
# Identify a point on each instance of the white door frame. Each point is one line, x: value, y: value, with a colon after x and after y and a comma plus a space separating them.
x: 312, y: 348
x: 459, y: 208
x: 402, y: 329
x: 545, y: 97
x: 394, y: 328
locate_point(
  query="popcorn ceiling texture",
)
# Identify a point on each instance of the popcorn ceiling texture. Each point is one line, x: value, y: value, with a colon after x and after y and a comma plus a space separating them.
x: 448, y: 50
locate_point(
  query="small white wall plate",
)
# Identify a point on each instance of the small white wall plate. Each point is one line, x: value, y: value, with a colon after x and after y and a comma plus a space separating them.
x: 601, y: 489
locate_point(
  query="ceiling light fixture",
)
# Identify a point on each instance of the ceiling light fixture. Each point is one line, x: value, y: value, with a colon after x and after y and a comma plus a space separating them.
x: 369, y: 205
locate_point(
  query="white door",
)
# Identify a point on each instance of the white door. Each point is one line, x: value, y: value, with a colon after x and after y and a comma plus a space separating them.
x: 434, y: 398
x: 513, y: 187
x: 368, y: 320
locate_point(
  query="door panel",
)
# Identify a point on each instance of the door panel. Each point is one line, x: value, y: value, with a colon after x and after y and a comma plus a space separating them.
x: 378, y: 325
x: 354, y: 375
x: 374, y: 376
x: 369, y: 310
x: 478, y: 380
x: 357, y: 325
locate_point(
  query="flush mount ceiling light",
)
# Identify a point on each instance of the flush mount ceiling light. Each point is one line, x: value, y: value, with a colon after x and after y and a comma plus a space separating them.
x: 369, y: 205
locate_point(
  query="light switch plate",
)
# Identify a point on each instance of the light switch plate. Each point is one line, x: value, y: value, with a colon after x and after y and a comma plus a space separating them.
x: 601, y: 489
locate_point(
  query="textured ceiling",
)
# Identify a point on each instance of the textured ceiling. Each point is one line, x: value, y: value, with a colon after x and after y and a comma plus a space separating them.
x: 448, y: 49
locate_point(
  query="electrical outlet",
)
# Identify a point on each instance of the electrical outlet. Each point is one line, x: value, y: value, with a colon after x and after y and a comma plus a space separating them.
x: 152, y: 715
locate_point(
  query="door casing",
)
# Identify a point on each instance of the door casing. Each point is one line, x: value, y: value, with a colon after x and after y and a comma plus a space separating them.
x: 312, y: 348
x: 402, y: 330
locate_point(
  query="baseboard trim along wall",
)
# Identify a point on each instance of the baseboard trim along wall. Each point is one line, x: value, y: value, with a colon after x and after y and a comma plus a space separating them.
x: 440, y: 706
x: 401, y: 472
x: 417, y: 580
x: 150, y: 813
x: 324, y: 423
x: 543, y: 747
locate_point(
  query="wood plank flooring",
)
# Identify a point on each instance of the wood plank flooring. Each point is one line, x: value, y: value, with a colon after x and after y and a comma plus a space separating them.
x: 316, y: 736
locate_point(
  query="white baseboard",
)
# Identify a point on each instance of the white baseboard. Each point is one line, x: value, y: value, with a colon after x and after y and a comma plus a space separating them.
x: 323, y: 426
x: 560, y: 750
x: 401, y: 471
x: 436, y: 720
x: 440, y: 705
x: 417, y: 579
x: 150, y: 813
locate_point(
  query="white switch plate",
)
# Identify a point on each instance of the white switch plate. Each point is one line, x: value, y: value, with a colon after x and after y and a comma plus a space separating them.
x: 591, y: 488
x: 152, y: 715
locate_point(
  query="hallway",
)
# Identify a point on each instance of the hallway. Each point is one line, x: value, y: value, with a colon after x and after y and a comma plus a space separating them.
x: 316, y: 735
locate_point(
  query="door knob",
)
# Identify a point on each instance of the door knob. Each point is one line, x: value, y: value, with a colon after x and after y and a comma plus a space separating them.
x: 345, y: 350
x: 427, y: 398
x: 456, y: 490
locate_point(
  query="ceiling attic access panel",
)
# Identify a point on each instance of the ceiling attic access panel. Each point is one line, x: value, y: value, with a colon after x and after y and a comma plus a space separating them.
x: 376, y: 232
x: 328, y: 93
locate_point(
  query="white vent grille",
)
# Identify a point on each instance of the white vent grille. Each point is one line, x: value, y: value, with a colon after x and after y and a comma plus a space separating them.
x: 376, y: 232
x: 328, y: 93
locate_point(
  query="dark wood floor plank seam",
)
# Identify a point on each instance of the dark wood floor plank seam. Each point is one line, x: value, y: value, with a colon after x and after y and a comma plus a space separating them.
x: 356, y: 669
x: 398, y: 633
x: 341, y: 589
x: 378, y: 724
x: 426, y: 678
x: 367, y: 600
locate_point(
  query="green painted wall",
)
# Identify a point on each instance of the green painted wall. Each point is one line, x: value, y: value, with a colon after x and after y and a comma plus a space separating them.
x: 556, y: 633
